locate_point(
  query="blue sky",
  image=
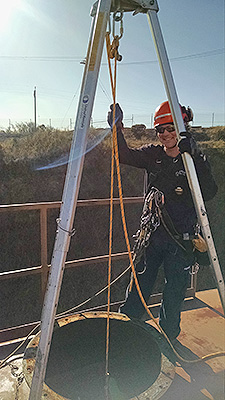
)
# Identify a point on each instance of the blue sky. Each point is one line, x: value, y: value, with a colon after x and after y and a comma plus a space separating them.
x: 43, y: 41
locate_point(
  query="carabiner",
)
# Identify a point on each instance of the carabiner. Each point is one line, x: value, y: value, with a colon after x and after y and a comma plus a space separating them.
x: 118, y: 17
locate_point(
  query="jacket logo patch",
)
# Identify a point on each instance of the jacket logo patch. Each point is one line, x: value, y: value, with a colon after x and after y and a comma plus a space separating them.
x: 180, y: 172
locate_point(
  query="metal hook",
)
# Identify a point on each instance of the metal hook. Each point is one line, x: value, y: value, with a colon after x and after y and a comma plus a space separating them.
x: 109, y: 25
x: 118, y: 17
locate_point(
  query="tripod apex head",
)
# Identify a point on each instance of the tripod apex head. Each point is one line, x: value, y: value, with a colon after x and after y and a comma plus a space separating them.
x: 137, y: 6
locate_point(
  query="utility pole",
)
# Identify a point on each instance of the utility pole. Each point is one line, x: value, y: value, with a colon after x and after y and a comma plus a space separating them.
x: 151, y: 121
x: 71, y: 124
x: 35, y: 107
x: 213, y: 117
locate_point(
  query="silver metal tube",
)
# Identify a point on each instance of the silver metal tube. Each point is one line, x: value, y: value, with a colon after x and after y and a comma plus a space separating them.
x: 70, y: 194
x: 187, y: 159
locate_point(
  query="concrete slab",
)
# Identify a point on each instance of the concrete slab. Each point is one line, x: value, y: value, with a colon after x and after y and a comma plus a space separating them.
x: 12, y: 382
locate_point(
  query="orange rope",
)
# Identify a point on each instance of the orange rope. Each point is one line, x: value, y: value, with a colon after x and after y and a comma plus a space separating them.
x: 113, y: 85
x: 115, y: 153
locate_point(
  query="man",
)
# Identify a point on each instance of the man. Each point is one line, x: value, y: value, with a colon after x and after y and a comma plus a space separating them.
x: 168, y: 213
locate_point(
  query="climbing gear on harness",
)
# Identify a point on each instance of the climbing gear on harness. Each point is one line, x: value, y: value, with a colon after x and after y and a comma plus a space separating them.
x: 179, y: 190
x: 195, y: 269
x: 163, y: 114
x: 150, y: 221
x: 192, y: 244
x: 155, y: 213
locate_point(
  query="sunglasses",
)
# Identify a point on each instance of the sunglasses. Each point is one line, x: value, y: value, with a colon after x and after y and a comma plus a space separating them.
x: 168, y: 128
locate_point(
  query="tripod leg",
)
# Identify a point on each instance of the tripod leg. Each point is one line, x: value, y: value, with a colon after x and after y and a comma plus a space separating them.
x: 187, y: 159
x: 70, y: 194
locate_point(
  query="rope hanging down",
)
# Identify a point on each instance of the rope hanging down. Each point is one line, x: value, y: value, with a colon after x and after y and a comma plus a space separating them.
x: 115, y: 154
x: 112, y: 53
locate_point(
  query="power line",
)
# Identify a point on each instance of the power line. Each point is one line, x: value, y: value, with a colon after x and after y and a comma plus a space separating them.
x: 42, y: 58
x: 74, y: 96
x: 104, y: 90
x: 209, y: 53
x: 180, y: 58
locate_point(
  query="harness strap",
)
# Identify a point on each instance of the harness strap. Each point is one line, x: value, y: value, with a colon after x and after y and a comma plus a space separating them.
x: 153, y: 214
x: 175, y: 236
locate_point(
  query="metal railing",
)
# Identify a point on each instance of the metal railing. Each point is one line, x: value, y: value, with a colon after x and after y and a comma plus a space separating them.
x: 43, y: 208
x: 43, y: 269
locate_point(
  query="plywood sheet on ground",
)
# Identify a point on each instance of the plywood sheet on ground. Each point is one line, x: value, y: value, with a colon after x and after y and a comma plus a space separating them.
x: 203, y: 332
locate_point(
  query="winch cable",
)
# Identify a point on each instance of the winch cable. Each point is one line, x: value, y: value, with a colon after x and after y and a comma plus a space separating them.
x: 115, y: 154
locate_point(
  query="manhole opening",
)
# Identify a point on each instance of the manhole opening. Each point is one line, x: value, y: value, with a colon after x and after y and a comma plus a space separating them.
x: 76, y: 365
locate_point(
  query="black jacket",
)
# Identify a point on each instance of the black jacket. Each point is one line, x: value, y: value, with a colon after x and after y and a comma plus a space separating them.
x: 168, y: 175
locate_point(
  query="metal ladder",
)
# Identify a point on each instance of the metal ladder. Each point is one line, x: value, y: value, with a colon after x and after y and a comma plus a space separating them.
x: 101, y: 13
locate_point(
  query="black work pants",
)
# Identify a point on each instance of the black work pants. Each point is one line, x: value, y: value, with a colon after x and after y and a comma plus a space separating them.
x: 161, y: 250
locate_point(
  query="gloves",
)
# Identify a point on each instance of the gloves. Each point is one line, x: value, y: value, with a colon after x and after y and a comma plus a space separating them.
x: 188, y: 144
x: 118, y: 116
x: 187, y: 114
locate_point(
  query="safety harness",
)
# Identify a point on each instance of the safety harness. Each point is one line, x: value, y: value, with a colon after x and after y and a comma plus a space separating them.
x: 154, y: 213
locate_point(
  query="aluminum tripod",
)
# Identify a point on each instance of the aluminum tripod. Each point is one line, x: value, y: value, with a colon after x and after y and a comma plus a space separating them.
x: 101, y: 12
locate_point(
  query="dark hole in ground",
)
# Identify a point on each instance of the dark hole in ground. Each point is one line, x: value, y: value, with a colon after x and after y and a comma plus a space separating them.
x: 76, y: 366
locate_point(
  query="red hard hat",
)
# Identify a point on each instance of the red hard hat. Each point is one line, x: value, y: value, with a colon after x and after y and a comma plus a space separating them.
x: 163, y: 114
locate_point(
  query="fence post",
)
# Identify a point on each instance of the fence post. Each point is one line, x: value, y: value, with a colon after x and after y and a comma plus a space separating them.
x: 44, y: 250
